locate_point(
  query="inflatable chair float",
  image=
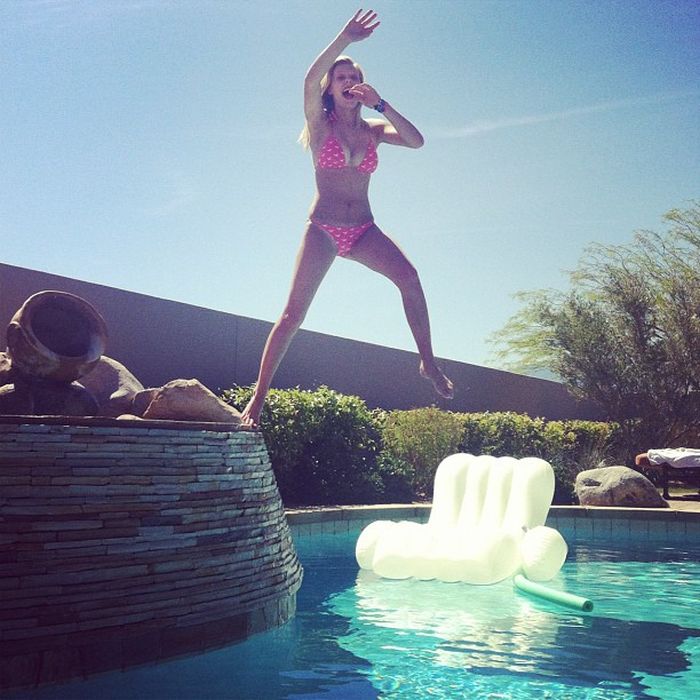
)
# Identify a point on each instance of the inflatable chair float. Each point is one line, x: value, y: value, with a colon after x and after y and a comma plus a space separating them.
x: 486, y: 525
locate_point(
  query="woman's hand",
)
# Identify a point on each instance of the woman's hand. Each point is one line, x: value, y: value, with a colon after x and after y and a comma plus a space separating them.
x: 365, y: 93
x: 360, y: 26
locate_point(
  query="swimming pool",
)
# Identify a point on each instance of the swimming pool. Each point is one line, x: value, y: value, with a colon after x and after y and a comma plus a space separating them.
x: 363, y: 637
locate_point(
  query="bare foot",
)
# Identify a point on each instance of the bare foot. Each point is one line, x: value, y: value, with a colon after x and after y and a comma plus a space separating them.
x: 442, y: 384
x: 251, y: 413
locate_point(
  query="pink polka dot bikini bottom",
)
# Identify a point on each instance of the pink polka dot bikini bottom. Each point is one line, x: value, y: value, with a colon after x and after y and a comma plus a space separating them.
x: 345, y: 237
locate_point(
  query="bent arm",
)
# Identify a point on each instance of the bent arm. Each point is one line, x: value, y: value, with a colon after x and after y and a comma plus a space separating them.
x: 398, y: 131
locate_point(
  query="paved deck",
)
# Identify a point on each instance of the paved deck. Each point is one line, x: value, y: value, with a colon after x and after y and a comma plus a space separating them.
x: 691, y: 503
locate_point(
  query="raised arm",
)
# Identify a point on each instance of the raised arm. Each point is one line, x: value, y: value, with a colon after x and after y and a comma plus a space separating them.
x: 358, y: 28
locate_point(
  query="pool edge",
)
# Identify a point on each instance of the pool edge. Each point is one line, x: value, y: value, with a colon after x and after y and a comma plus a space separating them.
x: 665, y: 525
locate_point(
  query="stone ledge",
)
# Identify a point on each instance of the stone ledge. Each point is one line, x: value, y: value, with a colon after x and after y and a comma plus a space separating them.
x: 111, y: 556
x: 42, y: 424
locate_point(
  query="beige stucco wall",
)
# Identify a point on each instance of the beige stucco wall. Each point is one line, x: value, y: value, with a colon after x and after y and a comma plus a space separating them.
x: 160, y: 340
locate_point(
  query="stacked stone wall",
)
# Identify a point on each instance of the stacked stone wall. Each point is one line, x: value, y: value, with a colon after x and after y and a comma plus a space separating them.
x: 125, y: 543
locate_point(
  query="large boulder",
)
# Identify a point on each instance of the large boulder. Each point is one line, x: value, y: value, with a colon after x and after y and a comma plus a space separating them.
x: 617, y: 486
x: 43, y: 398
x: 142, y: 400
x: 190, y: 400
x: 16, y: 400
x: 61, y: 399
x: 112, y: 385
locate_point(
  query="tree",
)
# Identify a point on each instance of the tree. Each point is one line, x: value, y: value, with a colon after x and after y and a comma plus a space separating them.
x: 626, y: 334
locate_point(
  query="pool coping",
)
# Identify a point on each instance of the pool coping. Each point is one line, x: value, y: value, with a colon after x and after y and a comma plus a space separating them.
x: 668, y: 525
x: 394, y: 511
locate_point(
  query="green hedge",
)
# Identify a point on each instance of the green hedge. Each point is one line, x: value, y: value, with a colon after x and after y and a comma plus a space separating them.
x: 415, y: 442
x: 328, y: 448
x: 323, y: 445
x: 570, y: 446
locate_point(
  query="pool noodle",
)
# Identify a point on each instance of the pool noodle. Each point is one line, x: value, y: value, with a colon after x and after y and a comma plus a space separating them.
x: 560, y: 597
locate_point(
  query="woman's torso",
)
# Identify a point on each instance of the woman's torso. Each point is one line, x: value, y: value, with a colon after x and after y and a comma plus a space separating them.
x: 344, y: 159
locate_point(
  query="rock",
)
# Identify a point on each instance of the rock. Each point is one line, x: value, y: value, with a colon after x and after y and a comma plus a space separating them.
x: 112, y: 385
x: 142, y: 400
x: 7, y: 374
x: 57, y: 399
x: 617, y: 486
x: 190, y: 400
x: 43, y: 398
x: 16, y: 400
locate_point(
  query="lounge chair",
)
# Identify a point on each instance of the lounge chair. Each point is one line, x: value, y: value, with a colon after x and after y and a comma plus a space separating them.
x: 486, y: 524
x: 682, y: 463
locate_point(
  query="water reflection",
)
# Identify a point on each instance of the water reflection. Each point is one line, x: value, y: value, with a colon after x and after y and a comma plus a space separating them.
x: 422, y: 631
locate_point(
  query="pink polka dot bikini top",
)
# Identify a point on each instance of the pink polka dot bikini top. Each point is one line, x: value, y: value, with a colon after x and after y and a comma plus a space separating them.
x: 332, y: 156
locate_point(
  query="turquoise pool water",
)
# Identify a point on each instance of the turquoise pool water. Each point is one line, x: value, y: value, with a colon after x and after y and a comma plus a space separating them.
x: 363, y: 637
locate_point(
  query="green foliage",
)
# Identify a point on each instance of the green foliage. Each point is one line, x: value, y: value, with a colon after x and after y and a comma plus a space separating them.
x: 574, y: 446
x: 501, y: 434
x: 416, y: 441
x: 569, y: 446
x: 397, y: 478
x: 327, y: 448
x: 322, y: 444
x: 626, y: 335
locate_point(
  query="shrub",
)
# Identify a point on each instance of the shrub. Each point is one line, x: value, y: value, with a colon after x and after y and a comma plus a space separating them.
x: 329, y: 448
x: 415, y: 442
x: 322, y: 445
x: 574, y: 446
x: 569, y: 446
x: 501, y: 434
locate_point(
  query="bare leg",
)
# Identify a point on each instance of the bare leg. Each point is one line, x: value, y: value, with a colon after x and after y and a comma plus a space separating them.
x: 378, y: 252
x: 315, y: 257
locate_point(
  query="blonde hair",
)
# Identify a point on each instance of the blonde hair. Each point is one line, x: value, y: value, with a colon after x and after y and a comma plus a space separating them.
x: 327, y: 99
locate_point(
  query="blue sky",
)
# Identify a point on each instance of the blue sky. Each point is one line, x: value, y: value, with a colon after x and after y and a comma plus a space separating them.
x: 151, y: 146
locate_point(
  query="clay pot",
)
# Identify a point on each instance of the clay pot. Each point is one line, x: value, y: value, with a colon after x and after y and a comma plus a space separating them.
x: 56, y: 336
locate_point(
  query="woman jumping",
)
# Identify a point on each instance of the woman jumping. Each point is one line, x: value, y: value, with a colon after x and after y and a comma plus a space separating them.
x: 344, y: 151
